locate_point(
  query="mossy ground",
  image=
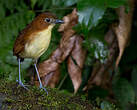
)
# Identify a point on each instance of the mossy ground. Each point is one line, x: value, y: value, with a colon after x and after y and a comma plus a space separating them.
x: 14, y: 97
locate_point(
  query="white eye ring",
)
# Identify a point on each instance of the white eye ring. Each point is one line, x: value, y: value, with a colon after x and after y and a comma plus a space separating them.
x: 48, y: 20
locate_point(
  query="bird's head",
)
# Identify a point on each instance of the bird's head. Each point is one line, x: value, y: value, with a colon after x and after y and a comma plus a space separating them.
x: 44, y: 20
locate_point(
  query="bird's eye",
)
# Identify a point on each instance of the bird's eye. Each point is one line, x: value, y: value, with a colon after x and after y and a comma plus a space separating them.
x: 47, y: 20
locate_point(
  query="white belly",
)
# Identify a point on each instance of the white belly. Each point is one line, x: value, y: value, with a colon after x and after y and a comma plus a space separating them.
x: 38, y: 45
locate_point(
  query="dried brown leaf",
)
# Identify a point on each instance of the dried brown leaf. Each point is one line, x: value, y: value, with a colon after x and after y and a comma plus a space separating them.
x: 47, y: 67
x: 123, y: 29
x: 72, y: 43
x: 76, y: 62
x: 67, y: 45
x: 78, y: 52
x: 56, y: 55
x: 68, y: 37
x: 49, y: 73
x: 75, y: 74
x: 51, y: 79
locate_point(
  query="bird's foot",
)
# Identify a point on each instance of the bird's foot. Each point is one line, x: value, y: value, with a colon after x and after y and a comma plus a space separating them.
x: 22, y: 85
x: 41, y: 87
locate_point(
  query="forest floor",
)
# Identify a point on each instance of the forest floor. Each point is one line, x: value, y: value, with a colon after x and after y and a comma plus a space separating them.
x: 14, y: 97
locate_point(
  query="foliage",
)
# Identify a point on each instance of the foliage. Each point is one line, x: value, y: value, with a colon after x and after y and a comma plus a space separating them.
x: 124, y: 94
x: 20, y: 14
x: 104, y: 105
x: 18, y: 17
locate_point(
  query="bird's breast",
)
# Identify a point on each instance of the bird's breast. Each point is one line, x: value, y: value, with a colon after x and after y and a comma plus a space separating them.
x: 38, y: 44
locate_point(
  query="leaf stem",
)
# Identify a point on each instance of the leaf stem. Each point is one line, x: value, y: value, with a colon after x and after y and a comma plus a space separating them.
x: 62, y: 81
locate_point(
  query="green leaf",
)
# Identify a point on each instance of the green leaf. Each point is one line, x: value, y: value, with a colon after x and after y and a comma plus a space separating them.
x: 44, y: 4
x: 123, y: 92
x: 90, y: 12
x: 116, y: 3
x: 33, y: 2
x: 13, y: 5
x: 2, y: 12
x: 64, y: 3
x: 21, y: 6
x: 10, y: 4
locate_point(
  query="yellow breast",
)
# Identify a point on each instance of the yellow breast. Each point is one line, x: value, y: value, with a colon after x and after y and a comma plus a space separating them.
x: 39, y: 44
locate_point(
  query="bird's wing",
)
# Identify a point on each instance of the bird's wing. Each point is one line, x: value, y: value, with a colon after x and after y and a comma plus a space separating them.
x: 18, y: 46
x: 21, y: 40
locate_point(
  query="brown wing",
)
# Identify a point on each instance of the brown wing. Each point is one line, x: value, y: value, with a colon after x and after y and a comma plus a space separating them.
x: 18, y: 46
x: 21, y: 40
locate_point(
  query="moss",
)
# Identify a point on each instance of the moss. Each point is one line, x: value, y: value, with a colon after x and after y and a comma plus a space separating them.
x: 17, y: 98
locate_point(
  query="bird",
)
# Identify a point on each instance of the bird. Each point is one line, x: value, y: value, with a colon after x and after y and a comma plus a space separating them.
x: 34, y: 40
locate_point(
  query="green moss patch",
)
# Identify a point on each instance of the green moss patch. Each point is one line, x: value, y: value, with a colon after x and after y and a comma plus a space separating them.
x: 14, y: 97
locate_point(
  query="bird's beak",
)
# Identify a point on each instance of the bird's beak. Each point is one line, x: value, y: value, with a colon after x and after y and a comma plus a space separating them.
x: 57, y: 21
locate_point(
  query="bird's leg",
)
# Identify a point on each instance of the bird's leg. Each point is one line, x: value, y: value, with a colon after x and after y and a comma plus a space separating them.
x: 40, y: 83
x: 19, y: 81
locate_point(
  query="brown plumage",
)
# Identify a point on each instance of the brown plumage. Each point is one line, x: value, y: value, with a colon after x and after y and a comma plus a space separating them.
x: 34, y: 40
x: 37, y: 25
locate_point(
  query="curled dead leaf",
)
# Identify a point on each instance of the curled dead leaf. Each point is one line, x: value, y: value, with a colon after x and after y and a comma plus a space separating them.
x: 75, y: 74
x: 78, y: 52
x: 47, y: 67
x: 66, y: 46
x: 123, y: 29
x: 51, y: 79
x: 49, y: 73
x: 76, y: 62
